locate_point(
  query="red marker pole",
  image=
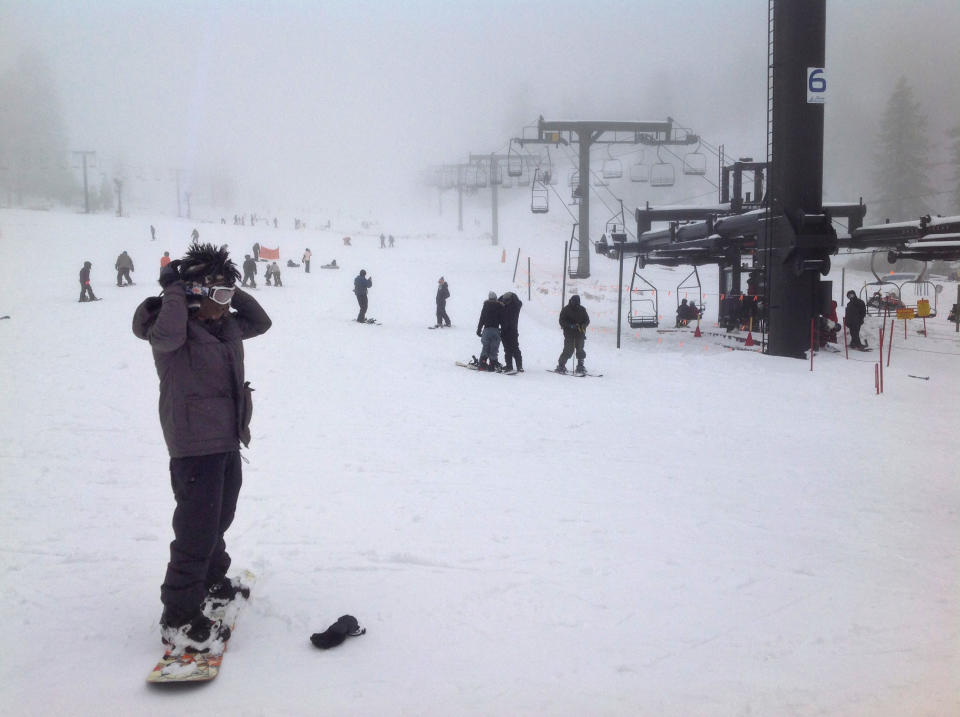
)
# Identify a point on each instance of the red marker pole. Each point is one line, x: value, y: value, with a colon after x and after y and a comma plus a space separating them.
x: 846, y: 348
x: 890, y: 344
x: 876, y: 377
x: 881, y: 357
x: 811, y: 344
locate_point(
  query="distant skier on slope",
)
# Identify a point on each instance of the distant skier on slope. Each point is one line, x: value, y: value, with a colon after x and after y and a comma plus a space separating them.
x: 249, y: 272
x: 574, y: 321
x: 124, y: 266
x: 86, y: 291
x: 360, y: 285
x: 443, y: 293
x: 205, y: 409
x: 488, y: 329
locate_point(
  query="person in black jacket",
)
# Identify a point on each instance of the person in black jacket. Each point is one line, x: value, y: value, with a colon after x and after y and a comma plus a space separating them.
x: 360, y: 285
x: 249, y: 272
x: 205, y: 410
x: 854, y: 315
x: 488, y: 329
x: 509, y: 333
x: 86, y: 291
x: 574, y: 321
x: 443, y: 293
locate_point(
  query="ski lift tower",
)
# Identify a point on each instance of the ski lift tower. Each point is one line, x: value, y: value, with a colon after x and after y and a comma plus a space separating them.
x: 587, y: 134
x: 799, y: 236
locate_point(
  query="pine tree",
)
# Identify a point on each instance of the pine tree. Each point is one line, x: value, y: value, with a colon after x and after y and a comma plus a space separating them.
x: 901, y: 166
x: 955, y: 162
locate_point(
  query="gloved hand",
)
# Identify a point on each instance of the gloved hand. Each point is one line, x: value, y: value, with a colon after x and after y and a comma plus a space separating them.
x: 169, y: 274
x: 479, y: 332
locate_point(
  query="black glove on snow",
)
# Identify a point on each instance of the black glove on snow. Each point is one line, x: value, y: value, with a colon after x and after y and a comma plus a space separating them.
x: 169, y: 274
x: 346, y: 626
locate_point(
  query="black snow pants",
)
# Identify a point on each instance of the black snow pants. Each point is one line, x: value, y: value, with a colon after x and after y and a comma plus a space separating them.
x: 362, y: 300
x: 86, y: 293
x: 572, y: 342
x: 511, y: 350
x: 206, y: 490
x: 442, y: 318
x: 854, y: 330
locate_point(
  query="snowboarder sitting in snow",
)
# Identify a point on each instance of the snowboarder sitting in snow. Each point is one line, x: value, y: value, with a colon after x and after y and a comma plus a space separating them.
x: 86, y: 291
x: 205, y: 409
x: 574, y: 321
x: 331, y: 265
x: 488, y: 329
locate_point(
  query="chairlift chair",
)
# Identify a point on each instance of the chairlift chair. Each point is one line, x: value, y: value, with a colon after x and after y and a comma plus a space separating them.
x: 573, y: 178
x: 662, y: 174
x: 695, y: 163
x: 612, y: 167
x: 539, y: 195
x: 514, y: 161
x: 644, y: 303
x: 639, y: 172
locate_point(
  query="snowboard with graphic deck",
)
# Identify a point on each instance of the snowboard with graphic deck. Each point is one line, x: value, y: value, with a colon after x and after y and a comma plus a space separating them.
x: 582, y: 374
x: 205, y: 666
x: 475, y: 366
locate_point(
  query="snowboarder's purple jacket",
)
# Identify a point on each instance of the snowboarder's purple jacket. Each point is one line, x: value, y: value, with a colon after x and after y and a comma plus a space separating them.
x: 205, y: 404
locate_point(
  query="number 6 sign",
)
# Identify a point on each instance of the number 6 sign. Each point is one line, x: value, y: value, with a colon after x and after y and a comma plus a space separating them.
x: 816, y: 85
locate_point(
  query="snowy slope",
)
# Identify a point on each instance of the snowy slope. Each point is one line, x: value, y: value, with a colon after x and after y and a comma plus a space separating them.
x: 700, y: 532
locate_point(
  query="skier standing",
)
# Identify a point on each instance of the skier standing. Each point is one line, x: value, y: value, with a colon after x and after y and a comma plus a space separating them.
x: 509, y: 332
x: 443, y: 293
x: 383, y: 241
x: 165, y: 259
x: 205, y: 409
x: 86, y: 291
x: 854, y: 315
x: 306, y: 259
x: 274, y: 269
x: 574, y: 321
x: 124, y: 266
x: 249, y: 272
x: 360, y: 285
x: 488, y: 329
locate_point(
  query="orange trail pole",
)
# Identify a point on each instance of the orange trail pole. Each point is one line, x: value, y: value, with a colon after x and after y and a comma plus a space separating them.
x: 876, y: 377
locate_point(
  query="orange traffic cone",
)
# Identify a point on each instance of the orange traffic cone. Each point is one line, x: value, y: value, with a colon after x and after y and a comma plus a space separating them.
x: 697, y: 332
x: 749, y: 341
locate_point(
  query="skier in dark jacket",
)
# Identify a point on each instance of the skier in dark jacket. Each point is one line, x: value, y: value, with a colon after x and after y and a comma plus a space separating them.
x: 854, y: 314
x: 574, y: 321
x: 360, y: 285
x: 205, y: 409
x: 509, y: 333
x: 249, y: 272
x: 86, y: 291
x: 443, y: 293
x: 124, y: 266
x: 488, y: 329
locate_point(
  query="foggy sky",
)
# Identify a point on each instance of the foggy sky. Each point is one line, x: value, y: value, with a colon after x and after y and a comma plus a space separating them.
x: 336, y: 102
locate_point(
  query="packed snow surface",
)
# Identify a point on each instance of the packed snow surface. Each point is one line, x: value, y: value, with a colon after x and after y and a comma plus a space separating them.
x: 702, y: 531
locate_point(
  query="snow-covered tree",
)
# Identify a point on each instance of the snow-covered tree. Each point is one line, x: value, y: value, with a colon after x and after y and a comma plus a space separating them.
x: 902, y: 164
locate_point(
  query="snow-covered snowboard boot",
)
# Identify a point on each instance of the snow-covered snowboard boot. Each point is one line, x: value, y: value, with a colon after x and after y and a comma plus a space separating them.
x: 580, y: 367
x: 199, y: 635
x: 222, y: 593
x: 560, y: 368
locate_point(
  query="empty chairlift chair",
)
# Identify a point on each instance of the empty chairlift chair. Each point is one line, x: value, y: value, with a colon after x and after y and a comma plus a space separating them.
x: 662, y: 174
x: 539, y: 195
x: 612, y: 167
x: 694, y: 163
x: 644, y: 303
x: 639, y: 172
x: 514, y: 161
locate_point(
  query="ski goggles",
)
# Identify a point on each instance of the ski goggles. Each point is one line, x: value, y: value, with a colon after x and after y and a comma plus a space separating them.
x: 222, y: 295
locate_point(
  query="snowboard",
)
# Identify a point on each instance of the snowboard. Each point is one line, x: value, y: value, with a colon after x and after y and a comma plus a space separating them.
x: 367, y: 321
x: 475, y: 367
x: 440, y: 327
x: 203, y: 667
x: 574, y: 373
